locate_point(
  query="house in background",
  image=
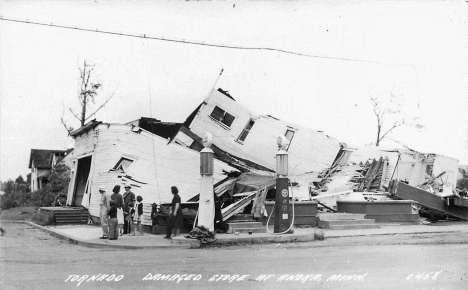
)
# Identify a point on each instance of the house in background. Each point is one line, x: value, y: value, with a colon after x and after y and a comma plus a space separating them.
x: 41, y: 163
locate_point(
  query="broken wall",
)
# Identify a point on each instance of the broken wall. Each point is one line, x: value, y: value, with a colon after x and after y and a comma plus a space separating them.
x: 155, y: 165
x: 410, y: 168
x: 448, y: 181
x: 309, y: 150
x: 363, y: 154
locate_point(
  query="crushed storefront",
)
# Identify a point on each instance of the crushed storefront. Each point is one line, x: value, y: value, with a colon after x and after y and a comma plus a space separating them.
x: 324, y: 173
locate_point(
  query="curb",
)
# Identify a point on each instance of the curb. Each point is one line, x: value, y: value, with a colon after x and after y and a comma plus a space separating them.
x: 13, y: 221
x: 286, y: 238
x: 190, y: 243
x: 184, y: 243
x: 391, y: 234
x: 75, y: 241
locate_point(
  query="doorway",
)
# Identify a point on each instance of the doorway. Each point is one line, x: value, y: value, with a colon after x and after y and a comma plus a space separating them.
x: 82, y: 175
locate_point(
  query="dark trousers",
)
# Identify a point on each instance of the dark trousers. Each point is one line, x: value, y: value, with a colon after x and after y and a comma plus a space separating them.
x: 126, y: 226
x: 113, y: 228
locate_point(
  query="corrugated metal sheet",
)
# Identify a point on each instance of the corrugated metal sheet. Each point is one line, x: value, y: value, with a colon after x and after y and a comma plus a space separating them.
x: 159, y: 166
x: 309, y: 150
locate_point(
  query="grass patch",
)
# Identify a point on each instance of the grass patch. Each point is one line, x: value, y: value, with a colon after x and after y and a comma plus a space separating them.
x: 18, y: 213
x: 42, y: 218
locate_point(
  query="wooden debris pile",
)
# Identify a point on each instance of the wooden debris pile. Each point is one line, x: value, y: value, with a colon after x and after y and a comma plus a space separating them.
x: 367, y: 177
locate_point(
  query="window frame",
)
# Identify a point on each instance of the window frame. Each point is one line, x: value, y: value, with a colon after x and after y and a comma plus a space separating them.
x: 293, y: 131
x: 221, y: 121
x: 119, y: 164
x: 238, y: 140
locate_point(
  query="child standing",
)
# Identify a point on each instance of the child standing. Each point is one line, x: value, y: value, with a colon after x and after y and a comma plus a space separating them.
x: 113, y: 227
x: 129, y: 219
x: 139, y: 214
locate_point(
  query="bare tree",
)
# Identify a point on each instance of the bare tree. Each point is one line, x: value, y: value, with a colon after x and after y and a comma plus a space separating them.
x: 87, y: 95
x: 389, y: 115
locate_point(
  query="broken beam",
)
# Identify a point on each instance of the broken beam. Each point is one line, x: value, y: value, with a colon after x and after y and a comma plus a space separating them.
x: 427, y: 199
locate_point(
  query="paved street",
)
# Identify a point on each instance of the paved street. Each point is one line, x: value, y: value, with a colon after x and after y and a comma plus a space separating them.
x: 31, y: 259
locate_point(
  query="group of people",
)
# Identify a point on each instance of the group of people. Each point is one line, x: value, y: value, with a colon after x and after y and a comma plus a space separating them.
x: 120, y: 214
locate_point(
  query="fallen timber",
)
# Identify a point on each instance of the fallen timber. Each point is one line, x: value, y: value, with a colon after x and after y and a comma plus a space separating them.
x: 449, y: 205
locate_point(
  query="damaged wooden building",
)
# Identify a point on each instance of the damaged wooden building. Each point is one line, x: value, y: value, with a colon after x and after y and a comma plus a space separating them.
x: 152, y: 156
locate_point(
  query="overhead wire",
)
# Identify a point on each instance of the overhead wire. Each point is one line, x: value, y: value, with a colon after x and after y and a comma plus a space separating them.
x: 226, y: 46
x: 203, y: 43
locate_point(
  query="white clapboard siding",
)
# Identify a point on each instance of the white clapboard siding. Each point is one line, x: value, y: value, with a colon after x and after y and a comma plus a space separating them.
x: 84, y: 143
x: 362, y: 154
x: 309, y: 150
x: 160, y: 165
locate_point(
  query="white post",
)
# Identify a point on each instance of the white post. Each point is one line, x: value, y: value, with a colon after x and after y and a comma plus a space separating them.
x: 206, y: 210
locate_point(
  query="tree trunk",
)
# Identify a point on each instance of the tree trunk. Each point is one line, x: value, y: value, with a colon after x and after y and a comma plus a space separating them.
x: 377, y: 142
x: 83, y: 111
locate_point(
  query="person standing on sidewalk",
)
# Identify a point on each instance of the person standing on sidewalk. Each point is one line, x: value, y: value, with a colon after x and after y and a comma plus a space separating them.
x: 128, y: 197
x: 118, y: 199
x: 129, y: 218
x: 113, y: 226
x: 105, y: 207
x: 175, y: 219
x: 138, y: 216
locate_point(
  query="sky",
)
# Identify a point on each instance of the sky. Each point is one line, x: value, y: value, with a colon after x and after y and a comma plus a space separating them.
x: 343, y: 52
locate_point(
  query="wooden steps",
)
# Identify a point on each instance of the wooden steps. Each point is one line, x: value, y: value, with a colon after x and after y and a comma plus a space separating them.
x: 345, y: 221
x: 63, y: 217
x: 241, y: 218
x: 244, y: 223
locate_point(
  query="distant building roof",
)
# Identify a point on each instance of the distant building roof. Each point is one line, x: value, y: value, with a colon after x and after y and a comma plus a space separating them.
x: 88, y: 126
x: 43, y: 158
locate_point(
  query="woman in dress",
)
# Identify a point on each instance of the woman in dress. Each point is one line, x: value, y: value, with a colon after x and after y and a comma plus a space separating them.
x: 175, y: 219
x: 117, y: 197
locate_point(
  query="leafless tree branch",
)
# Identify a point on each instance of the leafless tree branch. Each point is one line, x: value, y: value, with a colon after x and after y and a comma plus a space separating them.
x: 75, y: 115
x: 103, y: 104
x: 69, y: 129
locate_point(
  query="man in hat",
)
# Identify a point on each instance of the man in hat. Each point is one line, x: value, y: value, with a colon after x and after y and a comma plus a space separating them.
x: 128, y: 197
x: 105, y: 207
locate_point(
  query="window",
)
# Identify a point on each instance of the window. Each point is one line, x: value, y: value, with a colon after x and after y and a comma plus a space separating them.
x: 222, y: 116
x: 123, y: 164
x: 289, y: 135
x: 246, y: 131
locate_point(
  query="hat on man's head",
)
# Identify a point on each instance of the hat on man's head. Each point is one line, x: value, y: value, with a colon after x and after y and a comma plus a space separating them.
x: 127, y: 185
x: 102, y: 188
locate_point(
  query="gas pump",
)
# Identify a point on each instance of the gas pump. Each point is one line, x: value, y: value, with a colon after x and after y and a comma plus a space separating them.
x: 282, y: 216
x: 206, y: 210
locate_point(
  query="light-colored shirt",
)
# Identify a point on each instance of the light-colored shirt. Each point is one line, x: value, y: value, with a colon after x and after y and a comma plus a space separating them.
x: 105, y: 200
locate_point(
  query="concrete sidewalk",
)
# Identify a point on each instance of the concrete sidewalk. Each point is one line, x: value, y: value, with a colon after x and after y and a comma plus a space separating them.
x: 87, y: 235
